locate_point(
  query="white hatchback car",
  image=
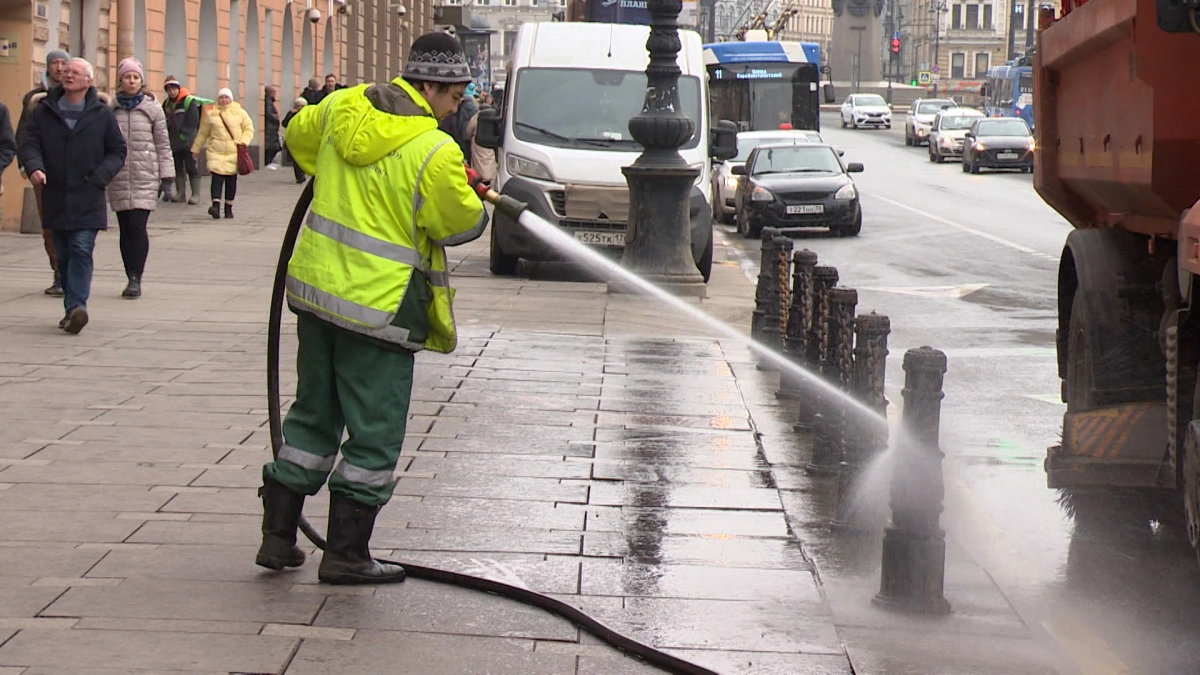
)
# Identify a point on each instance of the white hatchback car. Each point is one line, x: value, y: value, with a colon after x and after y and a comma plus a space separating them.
x: 725, y: 183
x: 948, y: 132
x: 866, y: 110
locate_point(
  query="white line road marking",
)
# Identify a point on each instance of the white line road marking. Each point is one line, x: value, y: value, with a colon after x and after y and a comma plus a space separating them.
x: 959, y: 226
x: 931, y: 291
x: 749, y: 267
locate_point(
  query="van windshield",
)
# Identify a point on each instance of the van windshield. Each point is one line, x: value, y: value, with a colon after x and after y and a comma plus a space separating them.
x: 585, y: 108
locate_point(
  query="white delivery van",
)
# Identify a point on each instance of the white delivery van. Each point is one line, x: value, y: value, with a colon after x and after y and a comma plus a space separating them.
x: 561, y: 136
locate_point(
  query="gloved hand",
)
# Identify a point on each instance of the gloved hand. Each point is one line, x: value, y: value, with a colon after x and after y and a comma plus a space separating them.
x: 476, y: 181
x: 165, y: 187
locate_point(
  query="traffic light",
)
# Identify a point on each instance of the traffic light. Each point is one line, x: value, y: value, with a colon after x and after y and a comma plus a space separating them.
x: 895, y: 45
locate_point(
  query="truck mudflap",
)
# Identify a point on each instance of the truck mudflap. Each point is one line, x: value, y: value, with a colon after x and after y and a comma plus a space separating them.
x: 1123, y: 445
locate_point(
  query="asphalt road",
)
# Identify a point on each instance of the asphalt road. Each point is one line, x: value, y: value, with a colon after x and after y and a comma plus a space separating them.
x: 967, y: 264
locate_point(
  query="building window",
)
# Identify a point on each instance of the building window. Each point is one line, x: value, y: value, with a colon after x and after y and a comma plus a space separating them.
x: 982, y: 61
x: 956, y: 17
x: 987, y: 18
x: 958, y: 64
x: 510, y: 3
x: 972, y: 17
x: 533, y: 3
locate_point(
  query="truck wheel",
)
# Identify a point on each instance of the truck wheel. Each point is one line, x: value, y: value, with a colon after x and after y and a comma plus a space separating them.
x: 498, y: 262
x: 1078, y: 385
x: 705, y: 262
x: 1191, y: 485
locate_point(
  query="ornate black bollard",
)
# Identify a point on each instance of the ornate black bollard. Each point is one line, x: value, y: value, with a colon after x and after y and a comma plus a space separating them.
x: 829, y: 423
x: 914, y: 544
x: 763, y: 291
x: 867, y: 437
x: 792, y: 387
x: 657, y: 238
x: 823, y: 279
x: 775, y: 321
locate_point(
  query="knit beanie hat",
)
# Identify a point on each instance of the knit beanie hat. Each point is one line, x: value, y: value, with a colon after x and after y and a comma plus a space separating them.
x: 171, y: 82
x: 56, y: 55
x: 130, y: 65
x: 300, y: 102
x: 224, y: 91
x: 437, y: 57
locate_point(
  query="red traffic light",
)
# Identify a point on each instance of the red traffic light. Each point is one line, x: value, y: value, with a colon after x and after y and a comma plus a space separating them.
x: 896, y: 45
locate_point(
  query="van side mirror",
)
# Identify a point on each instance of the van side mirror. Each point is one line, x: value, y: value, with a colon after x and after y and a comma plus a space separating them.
x: 489, y: 132
x: 723, y: 141
x: 739, y: 170
x: 854, y: 167
x: 841, y: 153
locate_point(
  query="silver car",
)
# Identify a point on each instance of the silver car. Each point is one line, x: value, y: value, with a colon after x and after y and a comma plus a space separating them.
x: 866, y: 110
x: 950, y: 127
x: 725, y: 183
x: 920, y: 119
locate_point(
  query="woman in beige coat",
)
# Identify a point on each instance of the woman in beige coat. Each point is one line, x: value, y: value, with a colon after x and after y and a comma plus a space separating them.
x: 224, y: 127
x: 149, y: 168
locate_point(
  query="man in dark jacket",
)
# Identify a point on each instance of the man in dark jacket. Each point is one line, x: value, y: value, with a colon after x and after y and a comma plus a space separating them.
x: 270, y: 126
x: 8, y: 140
x: 183, y: 123
x: 56, y: 62
x: 73, y: 146
x: 313, y: 93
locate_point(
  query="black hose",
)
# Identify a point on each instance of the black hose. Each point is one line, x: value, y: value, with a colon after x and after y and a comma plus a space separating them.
x: 654, y: 657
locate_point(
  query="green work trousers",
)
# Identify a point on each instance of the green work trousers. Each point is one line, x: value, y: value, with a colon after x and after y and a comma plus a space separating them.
x: 344, y: 381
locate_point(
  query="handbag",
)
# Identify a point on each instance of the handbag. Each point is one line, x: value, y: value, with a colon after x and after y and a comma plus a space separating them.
x: 245, y: 166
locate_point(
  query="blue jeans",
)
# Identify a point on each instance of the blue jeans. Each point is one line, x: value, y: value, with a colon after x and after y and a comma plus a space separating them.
x: 74, y: 249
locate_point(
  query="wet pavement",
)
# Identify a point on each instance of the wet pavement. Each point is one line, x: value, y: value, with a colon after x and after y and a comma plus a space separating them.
x: 590, y: 446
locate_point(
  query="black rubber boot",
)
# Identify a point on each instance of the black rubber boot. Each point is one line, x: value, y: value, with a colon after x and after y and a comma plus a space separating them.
x: 281, y: 519
x: 228, y: 210
x: 347, y: 558
x: 134, y: 288
x: 215, y: 210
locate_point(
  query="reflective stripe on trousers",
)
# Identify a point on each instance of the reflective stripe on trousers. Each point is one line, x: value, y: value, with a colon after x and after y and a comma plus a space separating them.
x: 306, y: 460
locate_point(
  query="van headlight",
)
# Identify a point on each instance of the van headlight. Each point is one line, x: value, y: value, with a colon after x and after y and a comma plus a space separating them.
x: 847, y: 191
x: 520, y: 166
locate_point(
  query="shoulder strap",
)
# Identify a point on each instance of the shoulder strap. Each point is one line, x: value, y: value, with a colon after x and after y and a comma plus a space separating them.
x: 232, y: 137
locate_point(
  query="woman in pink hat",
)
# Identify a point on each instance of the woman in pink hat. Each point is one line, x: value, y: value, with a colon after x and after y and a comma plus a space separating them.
x: 149, y: 169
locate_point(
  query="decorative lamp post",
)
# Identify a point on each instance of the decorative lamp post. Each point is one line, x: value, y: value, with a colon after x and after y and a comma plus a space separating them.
x: 658, y: 238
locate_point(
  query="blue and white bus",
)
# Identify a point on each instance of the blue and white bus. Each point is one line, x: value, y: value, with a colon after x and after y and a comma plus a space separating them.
x: 1008, y: 92
x: 761, y: 85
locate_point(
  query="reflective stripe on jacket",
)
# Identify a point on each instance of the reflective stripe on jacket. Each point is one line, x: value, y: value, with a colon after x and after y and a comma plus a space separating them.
x: 390, y: 193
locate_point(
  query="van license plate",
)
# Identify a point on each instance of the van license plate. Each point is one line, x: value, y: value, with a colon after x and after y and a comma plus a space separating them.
x: 1006, y: 155
x: 601, y: 238
x: 806, y: 208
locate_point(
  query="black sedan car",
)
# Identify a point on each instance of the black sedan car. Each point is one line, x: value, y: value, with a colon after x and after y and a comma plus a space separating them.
x: 998, y: 143
x: 792, y: 186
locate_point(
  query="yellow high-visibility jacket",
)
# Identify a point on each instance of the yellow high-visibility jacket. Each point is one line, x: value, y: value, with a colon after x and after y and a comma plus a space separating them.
x: 390, y: 193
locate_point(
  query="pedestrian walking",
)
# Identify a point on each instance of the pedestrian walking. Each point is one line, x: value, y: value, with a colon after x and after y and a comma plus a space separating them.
x: 222, y: 129
x: 270, y: 127
x: 149, y: 168
x: 368, y: 284
x: 73, y: 146
x: 56, y: 63
x: 8, y: 141
x: 297, y: 105
x: 183, y: 112
x: 482, y: 159
x: 313, y: 93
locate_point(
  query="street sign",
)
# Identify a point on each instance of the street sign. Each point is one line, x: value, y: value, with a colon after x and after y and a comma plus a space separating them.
x: 934, y: 69
x: 923, y: 77
x: 935, y: 77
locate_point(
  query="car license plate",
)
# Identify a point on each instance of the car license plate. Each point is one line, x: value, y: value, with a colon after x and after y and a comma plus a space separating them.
x: 806, y: 208
x: 601, y: 238
x: 1006, y: 155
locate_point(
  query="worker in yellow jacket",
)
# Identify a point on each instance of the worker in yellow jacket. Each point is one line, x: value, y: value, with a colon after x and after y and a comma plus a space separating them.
x: 369, y: 286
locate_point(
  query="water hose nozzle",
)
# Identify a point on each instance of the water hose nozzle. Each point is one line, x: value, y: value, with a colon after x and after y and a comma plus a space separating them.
x: 505, y: 204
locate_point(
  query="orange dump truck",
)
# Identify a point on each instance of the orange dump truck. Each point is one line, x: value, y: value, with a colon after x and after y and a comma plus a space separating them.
x: 1117, y: 113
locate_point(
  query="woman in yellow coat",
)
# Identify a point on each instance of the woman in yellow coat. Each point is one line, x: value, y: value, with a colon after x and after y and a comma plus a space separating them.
x: 224, y: 127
